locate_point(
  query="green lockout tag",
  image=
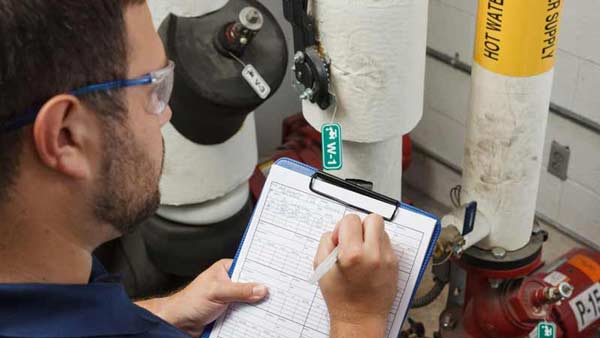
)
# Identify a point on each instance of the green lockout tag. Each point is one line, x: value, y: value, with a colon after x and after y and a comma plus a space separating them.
x: 546, y: 330
x: 331, y: 138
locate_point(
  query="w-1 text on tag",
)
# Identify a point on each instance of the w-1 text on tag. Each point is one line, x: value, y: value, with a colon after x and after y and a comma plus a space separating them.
x: 331, y: 137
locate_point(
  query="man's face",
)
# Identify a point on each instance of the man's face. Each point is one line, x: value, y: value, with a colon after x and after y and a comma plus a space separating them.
x: 127, y: 189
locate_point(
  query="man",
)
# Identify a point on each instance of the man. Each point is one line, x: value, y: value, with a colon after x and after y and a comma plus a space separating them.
x: 84, y: 87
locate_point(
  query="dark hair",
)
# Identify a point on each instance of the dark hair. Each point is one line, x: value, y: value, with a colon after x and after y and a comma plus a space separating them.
x: 48, y: 47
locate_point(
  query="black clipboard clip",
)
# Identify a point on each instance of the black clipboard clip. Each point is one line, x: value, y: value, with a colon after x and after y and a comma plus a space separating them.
x: 355, y: 188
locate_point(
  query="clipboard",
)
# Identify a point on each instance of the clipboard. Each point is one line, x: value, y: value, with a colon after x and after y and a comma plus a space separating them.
x: 379, y: 200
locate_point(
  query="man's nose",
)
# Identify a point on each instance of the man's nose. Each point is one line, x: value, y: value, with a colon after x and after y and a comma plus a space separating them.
x: 166, y: 116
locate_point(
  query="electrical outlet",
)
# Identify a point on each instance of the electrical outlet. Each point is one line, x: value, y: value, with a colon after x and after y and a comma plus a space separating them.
x: 559, y: 160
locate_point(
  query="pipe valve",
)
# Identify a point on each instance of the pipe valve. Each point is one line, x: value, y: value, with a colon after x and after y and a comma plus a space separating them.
x: 553, y: 295
x: 559, y: 293
x: 470, y: 227
x: 235, y: 36
x: 451, y: 242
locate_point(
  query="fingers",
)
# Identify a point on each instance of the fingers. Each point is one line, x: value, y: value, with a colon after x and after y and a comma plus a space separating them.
x: 374, y: 231
x: 351, y: 241
x: 335, y: 236
x: 359, y: 241
x: 389, y: 255
x: 351, y: 231
x: 375, y: 235
x: 226, y: 263
x: 239, y: 292
x: 386, y: 244
x: 325, y: 247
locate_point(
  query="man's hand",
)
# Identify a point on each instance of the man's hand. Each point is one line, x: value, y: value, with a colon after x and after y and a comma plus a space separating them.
x: 205, y: 299
x: 360, y: 289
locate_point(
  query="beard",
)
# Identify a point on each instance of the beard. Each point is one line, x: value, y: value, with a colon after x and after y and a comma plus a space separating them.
x: 128, y: 186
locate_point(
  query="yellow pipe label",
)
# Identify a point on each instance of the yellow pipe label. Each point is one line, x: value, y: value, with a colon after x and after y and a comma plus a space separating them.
x: 517, y: 37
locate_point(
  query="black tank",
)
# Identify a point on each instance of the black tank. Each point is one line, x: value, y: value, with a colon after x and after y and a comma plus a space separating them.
x: 210, y: 98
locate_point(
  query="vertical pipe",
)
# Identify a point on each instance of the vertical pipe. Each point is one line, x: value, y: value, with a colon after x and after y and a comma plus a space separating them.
x: 377, y: 51
x: 512, y: 77
x: 362, y: 158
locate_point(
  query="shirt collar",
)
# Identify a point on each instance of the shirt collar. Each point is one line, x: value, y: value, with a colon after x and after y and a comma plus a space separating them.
x: 100, y: 308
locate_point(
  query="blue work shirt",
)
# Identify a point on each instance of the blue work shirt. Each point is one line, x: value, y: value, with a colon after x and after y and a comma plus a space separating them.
x: 98, y: 309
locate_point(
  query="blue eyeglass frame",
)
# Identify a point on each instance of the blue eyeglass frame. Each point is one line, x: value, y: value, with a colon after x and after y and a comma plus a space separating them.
x: 31, y: 113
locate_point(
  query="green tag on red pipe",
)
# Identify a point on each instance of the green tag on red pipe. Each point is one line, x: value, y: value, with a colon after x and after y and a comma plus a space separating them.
x: 544, y: 330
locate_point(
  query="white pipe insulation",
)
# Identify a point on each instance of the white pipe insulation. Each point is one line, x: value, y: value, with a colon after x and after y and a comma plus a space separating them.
x: 377, y: 51
x: 512, y: 78
x: 382, y: 161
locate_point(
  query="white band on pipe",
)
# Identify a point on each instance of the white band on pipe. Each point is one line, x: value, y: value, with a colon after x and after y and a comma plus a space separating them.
x: 196, y: 173
x: 208, y: 213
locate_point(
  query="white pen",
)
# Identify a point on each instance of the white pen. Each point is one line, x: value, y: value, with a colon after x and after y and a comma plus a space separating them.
x: 325, y: 266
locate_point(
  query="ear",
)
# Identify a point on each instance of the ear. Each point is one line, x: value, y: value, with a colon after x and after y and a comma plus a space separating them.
x: 65, y: 133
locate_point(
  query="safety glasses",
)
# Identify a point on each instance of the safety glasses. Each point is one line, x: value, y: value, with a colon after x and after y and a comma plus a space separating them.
x: 160, y: 80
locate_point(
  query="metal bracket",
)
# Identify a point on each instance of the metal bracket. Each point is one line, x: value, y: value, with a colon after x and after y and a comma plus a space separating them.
x: 311, y: 68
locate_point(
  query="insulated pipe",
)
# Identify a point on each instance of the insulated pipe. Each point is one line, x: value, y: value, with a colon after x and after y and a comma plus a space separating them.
x: 362, y: 158
x: 515, y: 49
x: 377, y: 52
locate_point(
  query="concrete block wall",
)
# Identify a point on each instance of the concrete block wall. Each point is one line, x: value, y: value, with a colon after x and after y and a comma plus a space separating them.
x: 573, y: 204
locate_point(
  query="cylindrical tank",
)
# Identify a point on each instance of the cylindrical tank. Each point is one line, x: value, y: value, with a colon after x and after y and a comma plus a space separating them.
x: 512, y: 77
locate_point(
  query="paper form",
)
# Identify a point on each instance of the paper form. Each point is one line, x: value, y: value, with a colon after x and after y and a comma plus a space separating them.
x: 279, y: 249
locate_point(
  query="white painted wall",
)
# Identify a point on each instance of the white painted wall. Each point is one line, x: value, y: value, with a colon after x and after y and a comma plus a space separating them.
x: 574, y: 203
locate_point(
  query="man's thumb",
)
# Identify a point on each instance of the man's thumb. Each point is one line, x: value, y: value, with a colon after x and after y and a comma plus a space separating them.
x: 240, y: 292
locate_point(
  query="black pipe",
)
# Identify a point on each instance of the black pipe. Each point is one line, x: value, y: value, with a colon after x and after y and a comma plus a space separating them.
x: 430, y: 296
